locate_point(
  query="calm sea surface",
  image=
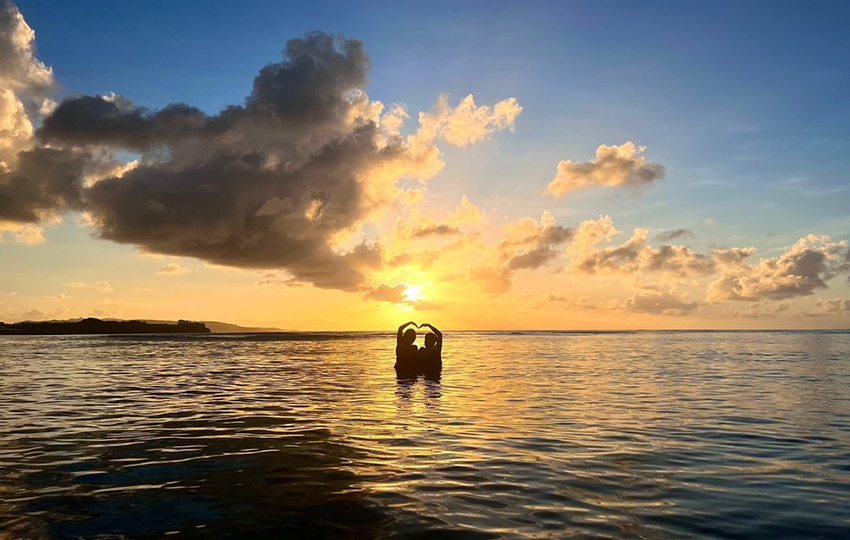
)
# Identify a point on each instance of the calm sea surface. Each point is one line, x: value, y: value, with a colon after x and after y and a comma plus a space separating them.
x: 526, y: 435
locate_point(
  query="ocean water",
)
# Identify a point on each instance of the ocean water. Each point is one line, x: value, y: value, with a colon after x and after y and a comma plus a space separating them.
x: 525, y: 435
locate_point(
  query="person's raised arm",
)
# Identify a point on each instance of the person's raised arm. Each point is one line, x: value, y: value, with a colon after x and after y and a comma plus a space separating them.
x: 438, y: 334
x: 401, y: 332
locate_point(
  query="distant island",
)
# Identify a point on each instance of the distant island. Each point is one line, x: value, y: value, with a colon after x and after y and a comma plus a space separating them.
x: 218, y: 327
x: 98, y: 326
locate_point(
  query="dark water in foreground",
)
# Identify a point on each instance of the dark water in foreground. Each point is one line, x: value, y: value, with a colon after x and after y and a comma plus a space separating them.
x: 626, y: 435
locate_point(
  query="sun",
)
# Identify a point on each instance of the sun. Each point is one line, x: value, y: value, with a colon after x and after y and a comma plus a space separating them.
x: 413, y: 293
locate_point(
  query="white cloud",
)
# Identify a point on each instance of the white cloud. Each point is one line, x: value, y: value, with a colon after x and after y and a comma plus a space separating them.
x: 467, y: 123
x: 24, y: 84
x: 614, y: 166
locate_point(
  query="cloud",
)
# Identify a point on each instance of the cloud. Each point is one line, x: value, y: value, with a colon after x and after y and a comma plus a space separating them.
x: 440, y: 232
x: 102, y: 286
x: 530, y: 244
x: 44, y: 183
x: 26, y: 234
x: 569, y: 303
x: 837, y: 306
x: 275, y: 278
x: 173, y: 269
x: 733, y: 258
x: 801, y: 270
x: 659, y: 302
x: 678, y: 261
x: 393, y: 294
x: 398, y: 294
x: 634, y: 256
x: 422, y: 224
x: 437, y: 229
x: 25, y: 84
x: 467, y: 213
x: 467, y: 123
x: 614, y: 166
x: 33, y: 314
x: 279, y: 182
x: 667, y: 236
x: 756, y: 310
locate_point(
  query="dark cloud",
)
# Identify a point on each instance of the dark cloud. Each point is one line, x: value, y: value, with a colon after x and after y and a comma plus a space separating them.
x: 678, y: 261
x: 533, y: 258
x: 115, y: 121
x: 45, y: 181
x: 309, y: 95
x: 536, y: 247
x: 733, y: 257
x: 438, y: 229
x: 268, y: 184
x: 667, y: 236
x: 620, y: 258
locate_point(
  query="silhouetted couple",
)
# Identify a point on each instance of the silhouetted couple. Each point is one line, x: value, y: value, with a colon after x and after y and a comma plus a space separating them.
x: 411, y: 360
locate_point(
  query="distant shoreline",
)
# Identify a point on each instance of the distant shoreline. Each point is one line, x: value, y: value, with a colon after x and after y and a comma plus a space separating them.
x: 92, y: 326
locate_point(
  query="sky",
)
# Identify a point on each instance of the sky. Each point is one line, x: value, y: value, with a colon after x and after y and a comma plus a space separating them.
x: 476, y: 165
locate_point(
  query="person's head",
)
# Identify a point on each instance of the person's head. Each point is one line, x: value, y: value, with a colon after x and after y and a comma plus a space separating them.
x: 409, y: 336
x: 430, y: 340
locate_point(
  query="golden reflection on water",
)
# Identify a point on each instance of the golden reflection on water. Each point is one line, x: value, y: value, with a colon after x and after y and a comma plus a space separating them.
x: 650, y: 435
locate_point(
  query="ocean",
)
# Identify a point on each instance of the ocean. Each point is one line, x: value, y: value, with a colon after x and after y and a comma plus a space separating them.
x: 525, y: 435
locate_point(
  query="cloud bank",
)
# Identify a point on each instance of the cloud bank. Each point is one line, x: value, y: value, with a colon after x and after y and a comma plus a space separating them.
x: 278, y: 182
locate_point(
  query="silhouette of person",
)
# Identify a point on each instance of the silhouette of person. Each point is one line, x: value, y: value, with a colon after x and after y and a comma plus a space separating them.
x: 430, y: 356
x: 405, y: 350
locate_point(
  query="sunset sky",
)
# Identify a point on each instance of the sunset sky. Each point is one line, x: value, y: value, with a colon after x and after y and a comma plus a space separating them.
x: 476, y: 165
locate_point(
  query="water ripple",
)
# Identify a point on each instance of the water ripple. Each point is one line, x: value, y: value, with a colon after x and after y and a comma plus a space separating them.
x: 526, y: 435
